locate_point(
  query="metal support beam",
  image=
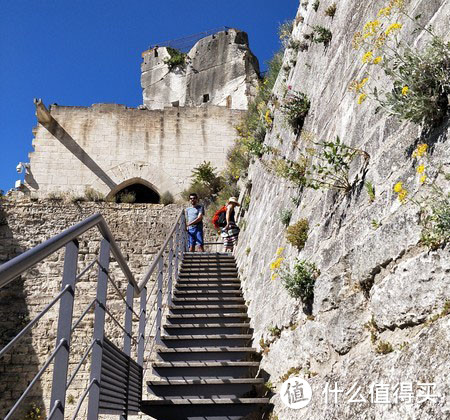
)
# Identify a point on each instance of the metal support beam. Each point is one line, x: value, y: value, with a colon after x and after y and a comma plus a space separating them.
x: 99, y: 328
x: 64, y: 331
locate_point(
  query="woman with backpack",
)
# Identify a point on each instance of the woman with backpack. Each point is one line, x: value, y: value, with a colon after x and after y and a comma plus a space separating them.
x: 230, y: 231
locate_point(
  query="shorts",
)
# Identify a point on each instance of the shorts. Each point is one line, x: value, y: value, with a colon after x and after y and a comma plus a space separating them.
x: 195, y: 235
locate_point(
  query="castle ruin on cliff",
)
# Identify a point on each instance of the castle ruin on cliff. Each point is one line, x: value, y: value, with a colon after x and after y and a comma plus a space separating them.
x: 188, y: 116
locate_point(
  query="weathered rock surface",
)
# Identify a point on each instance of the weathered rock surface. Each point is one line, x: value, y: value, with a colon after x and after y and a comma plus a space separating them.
x: 378, y: 287
x: 220, y: 70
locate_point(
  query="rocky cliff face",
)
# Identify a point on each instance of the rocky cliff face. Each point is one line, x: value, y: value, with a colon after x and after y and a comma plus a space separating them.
x: 379, y: 289
x: 219, y: 70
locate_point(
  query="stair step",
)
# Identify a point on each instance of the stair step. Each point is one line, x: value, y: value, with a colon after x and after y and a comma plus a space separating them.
x: 205, y: 388
x: 207, y: 340
x: 205, y: 369
x: 211, y: 276
x: 188, y: 286
x: 205, y: 408
x: 207, y: 292
x: 208, y: 282
x: 201, y: 300
x: 206, y: 318
x: 184, y: 354
x: 198, y: 309
x: 204, y: 328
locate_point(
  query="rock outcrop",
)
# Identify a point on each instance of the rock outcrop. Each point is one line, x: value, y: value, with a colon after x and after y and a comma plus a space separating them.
x: 380, y: 306
x: 219, y: 70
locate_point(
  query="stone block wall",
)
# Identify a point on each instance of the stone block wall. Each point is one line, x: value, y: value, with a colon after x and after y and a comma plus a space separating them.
x: 105, y: 146
x: 139, y: 230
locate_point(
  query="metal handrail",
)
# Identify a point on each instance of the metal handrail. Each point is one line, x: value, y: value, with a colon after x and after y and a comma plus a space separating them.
x: 174, y: 245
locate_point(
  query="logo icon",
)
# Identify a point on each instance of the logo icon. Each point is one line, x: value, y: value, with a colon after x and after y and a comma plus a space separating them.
x: 296, y: 393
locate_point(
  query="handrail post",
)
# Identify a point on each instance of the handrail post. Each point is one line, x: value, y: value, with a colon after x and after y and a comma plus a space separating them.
x: 159, y: 300
x: 169, y: 273
x: 177, y: 249
x: 128, y: 327
x: 142, y: 321
x: 99, y: 328
x: 64, y: 330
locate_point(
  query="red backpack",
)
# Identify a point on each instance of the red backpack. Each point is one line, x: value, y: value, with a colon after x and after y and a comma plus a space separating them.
x: 220, y: 218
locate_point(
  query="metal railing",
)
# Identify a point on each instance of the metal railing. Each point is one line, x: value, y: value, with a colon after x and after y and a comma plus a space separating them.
x: 122, y: 392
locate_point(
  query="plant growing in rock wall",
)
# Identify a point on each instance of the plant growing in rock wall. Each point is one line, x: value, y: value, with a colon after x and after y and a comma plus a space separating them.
x: 330, y: 11
x: 295, y: 109
x: 316, y: 5
x: 299, y: 282
x: 321, y: 35
x: 93, y: 195
x: 434, y: 206
x: 297, y: 234
x: 34, y: 413
x: 325, y: 165
x: 127, y: 197
x: 177, y: 58
x: 384, y: 347
x: 420, y: 78
x: 285, y: 217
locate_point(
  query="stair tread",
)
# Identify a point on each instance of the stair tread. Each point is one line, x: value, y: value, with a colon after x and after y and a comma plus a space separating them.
x: 209, y: 291
x: 206, y: 306
x: 227, y: 349
x: 207, y: 299
x: 209, y: 316
x: 212, y: 284
x: 203, y: 325
x: 208, y: 381
x: 198, y: 401
x: 206, y: 363
x: 204, y: 336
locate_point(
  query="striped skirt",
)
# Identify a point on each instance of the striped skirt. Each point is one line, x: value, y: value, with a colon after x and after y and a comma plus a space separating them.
x: 230, y: 235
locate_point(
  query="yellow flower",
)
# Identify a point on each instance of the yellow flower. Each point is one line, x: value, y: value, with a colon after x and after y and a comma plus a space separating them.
x: 420, y: 169
x: 405, y: 90
x: 420, y: 151
x: 275, y: 265
x: 386, y: 11
x: 423, y: 178
x: 379, y: 42
x: 377, y: 60
x: 361, y: 98
x: 398, y: 187
x: 396, y: 3
x: 370, y: 28
x: 393, y: 27
x: 279, y: 251
x: 267, y: 117
x: 402, y: 196
x: 367, y: 56
x: 273, y: 276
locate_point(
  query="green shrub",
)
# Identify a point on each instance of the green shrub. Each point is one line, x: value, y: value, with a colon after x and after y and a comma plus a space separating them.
x: 34, y: 413
x: 285, y: 217
x: 321, y: 35
x: 436, y: 223
x: 331, y: 10
x: 370, y: 191
x: 299, y: 282
x: 384, y: 347
x: 177, y: 58
x: 316, y: 5
x: 297, y: 234
x: 93, y: 195
x: 166, y: 198
x: 127, y: 197
x: 205, y: 174
x: 295, y: 110
x: 202, y: 190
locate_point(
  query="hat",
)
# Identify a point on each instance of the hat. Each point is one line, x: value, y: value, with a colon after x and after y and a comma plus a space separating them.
x: 233, y: 200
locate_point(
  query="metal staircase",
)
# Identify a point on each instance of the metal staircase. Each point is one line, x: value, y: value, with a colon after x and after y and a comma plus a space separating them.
x: 206, y: 364
x: 206, y: 367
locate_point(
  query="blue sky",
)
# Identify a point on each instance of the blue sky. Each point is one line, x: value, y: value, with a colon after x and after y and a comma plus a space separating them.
x: 81, y: 52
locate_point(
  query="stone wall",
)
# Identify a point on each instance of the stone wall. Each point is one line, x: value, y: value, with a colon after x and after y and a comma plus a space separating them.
x: 220, y: 70
x: 108, y: 146
x: 375, y: 274
x: 139, y: 230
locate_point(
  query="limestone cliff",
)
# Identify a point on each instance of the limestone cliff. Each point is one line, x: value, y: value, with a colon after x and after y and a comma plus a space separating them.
x: 376, y: 277
x: 219, y: 69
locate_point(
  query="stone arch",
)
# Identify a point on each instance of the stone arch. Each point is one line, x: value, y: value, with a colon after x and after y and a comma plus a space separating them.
x: 144, y: 191
x: 152, y: 175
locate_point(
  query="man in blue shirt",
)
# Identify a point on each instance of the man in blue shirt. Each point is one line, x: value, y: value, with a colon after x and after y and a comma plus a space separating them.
x: 194, y: 216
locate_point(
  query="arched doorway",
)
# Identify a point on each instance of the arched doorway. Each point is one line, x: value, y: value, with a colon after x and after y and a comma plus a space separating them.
x: 135, y: 190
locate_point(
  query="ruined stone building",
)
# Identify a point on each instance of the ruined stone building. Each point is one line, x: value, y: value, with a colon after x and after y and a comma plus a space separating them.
x: 188, y: 116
